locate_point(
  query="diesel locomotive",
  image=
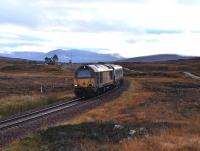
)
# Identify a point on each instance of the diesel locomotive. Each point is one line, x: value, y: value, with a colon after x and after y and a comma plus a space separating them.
x: 94, y: 79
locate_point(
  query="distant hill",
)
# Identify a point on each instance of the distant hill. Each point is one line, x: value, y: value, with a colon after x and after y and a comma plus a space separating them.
x: 78, y: 56
x: 154, y: 58
x: 37, y: 56
x: 83, y: 56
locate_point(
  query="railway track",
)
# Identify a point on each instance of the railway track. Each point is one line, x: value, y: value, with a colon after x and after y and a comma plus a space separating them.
x: 21, y: 119
x: 188, y: 74
x: 20, y: 126
x: 15, y: 121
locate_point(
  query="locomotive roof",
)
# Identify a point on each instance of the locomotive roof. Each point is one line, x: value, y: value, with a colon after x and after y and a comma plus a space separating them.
x: 114, y: 66
x: 99, y: 67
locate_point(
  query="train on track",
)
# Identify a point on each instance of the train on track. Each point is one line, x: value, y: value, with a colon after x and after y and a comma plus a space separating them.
x: 94, y: 79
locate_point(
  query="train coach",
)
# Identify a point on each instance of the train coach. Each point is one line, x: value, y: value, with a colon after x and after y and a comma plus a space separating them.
x: 90, y: 80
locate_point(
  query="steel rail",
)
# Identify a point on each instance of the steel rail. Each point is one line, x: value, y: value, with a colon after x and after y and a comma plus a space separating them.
x: 15, y: 121
x: 11, y: 122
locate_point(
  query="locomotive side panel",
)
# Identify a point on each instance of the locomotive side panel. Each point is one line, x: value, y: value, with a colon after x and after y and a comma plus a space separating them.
x: 117, y: 73
x: 105, y: 78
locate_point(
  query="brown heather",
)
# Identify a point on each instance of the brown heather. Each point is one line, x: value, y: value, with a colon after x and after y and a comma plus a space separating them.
x: 21, y: 81
x: 161, y: 101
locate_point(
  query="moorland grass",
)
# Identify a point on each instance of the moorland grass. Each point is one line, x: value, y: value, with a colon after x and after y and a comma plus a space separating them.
x: 16, y: 104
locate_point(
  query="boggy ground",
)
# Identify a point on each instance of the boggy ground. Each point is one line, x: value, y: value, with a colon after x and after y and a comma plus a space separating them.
x: 158, y: 112
x: 21, y: 81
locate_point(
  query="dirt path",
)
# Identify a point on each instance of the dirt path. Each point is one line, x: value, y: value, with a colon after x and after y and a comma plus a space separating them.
x: 188, y: 74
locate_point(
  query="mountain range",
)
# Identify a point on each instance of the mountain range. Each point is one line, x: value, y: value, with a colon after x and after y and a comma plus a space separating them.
x: 83, y: 56
x: 156, y: 58
x: 77, y: 56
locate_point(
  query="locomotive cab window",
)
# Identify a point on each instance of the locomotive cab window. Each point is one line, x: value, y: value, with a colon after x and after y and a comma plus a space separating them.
x: 84, y: 73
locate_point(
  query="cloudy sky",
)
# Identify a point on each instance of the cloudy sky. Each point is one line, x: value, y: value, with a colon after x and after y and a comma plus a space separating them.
x: 127, y: 27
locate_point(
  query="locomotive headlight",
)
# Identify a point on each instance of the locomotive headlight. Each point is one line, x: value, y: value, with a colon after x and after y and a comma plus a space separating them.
x: 75, y: 85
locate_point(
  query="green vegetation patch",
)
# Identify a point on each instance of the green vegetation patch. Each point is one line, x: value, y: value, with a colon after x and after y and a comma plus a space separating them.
x: 32, y: 143
x: 70, y: 137
x: 17, y: 104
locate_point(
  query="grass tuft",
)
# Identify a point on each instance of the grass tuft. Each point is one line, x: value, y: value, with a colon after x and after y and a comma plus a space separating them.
x: 15, y: 104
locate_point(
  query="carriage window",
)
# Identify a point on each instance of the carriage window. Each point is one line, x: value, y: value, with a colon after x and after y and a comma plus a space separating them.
x: 84, y: 74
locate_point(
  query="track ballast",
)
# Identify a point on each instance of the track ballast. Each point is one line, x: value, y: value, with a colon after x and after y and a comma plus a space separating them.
x: 15, y: 121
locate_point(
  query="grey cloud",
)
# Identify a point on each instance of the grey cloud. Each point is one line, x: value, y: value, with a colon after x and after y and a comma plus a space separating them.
x: 162, y: 31
x: 132, y: 41
x: 18, y: 44
x: 30, y: 38
x: 20, y: 12
x: 100, y: 26
x: 195, y: 31
x: 189, y: 2
x: 15, y: 40
x: 35, y: 14
x: 27, y: 37
x: 93, y: 1
x: 96, y: 26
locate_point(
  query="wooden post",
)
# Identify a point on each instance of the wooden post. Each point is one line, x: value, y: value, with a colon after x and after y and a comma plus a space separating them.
x: 41, y: 89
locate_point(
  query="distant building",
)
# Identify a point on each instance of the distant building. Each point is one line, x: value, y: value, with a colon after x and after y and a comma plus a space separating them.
x: 51, y: 61
x: 70, y: 61
x: 55, y: 59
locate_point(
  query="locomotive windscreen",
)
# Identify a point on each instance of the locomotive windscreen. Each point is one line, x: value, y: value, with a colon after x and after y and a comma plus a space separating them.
x: 84, y: 73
